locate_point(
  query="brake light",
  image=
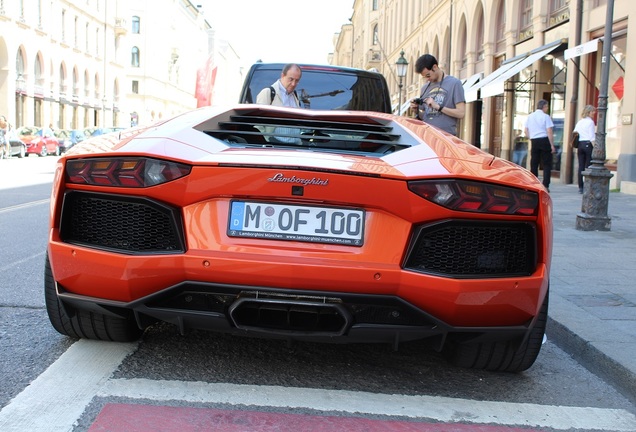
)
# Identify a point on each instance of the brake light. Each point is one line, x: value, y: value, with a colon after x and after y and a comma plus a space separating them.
x: 477, y: 197
x: 124, y: 172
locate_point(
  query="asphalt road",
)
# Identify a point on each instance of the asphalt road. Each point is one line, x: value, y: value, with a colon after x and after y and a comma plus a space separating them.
x: 53, y: 383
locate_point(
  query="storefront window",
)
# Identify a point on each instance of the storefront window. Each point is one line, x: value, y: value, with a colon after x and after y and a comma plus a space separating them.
x: 557, y: 106
x: 615, y: 97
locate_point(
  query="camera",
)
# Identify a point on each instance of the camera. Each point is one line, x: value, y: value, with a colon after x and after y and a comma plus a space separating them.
x: 418, y: 101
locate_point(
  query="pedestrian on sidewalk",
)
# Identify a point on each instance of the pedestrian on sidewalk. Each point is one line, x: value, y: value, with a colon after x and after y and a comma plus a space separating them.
x: 540, y: 129
x: 5, y: 145
x: 586, y: 129
x: 442, y: 102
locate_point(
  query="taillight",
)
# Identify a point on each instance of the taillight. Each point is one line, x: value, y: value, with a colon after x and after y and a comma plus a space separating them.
x: 477, y: 197
x: 130, y: 172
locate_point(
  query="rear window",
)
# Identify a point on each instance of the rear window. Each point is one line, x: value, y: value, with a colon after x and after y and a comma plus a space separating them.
x: 325, y: 89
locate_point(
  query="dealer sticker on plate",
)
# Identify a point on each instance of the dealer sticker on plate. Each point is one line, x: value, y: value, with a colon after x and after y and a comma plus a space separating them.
x: 299, y: 223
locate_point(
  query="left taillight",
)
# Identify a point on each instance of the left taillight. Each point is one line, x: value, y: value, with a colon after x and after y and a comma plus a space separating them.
x: 130, y: 172
x: 469, y: 196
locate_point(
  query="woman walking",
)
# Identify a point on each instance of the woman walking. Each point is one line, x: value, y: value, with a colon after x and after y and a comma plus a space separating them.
x: 586, y: 129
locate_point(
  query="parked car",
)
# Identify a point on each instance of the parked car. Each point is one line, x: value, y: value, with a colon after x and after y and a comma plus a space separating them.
x: 90, y: 132
x: 324, y: 87
x: 365, y: 227
x: 38, y: 141
x: 18, y: 147
x: 67, y: 138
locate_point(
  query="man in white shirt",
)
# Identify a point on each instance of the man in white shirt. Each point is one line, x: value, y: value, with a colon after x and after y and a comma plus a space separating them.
x: 284, y: 88
x: 540, y: 130
x: 283, y: 93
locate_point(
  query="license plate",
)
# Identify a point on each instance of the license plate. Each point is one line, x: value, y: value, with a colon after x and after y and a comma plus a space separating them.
x: 299, y: 223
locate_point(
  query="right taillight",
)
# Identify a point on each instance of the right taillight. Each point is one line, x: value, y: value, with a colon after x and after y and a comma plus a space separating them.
x: 469, y: 196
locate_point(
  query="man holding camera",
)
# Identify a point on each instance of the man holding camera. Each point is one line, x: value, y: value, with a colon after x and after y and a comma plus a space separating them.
x: 442, y: 102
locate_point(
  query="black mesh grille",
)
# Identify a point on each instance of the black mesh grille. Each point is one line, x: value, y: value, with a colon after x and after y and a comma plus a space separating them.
x: 467, y: 249
x: 127, y: 224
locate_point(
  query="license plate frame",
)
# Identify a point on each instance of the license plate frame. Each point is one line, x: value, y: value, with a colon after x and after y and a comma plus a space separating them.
x: 296, y: 222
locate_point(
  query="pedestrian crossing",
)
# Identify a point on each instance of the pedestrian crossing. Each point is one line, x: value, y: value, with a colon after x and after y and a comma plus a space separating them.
x: 59, y: 396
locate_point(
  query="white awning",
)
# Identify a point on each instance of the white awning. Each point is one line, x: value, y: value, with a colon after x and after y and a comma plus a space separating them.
x: 471, y: 80
x: 579, y: 50
x: 493, y: 84
x: 468, y: 83
x: 503, y: 68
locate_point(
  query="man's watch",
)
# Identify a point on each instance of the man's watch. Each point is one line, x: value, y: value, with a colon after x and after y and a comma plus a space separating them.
x: 441, y: 107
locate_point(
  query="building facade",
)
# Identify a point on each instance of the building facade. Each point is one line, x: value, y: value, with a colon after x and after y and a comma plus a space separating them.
x: 77, y: 64
x: 509, y: 54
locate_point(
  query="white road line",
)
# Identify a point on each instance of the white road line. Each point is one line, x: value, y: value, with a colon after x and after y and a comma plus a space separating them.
x: 425, y: 407
x: 58, y: 397
x: 25, y: 205
x: 28, y: 259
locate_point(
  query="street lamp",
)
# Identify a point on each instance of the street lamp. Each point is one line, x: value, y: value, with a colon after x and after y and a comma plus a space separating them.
x: 593, y: 216
x: 401, y: 65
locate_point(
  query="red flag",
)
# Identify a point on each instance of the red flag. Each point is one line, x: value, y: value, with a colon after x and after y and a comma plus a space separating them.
x: 206, y: 76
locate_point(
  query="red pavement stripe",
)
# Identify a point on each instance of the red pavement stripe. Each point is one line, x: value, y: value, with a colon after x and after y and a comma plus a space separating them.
x: 144, y: 418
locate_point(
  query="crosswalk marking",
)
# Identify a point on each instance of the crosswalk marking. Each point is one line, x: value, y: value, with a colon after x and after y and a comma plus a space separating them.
x: 58, y: 397
x: 441, y: 409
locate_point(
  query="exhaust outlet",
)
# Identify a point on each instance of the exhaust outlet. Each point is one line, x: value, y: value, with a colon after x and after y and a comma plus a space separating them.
x: 288, y: 315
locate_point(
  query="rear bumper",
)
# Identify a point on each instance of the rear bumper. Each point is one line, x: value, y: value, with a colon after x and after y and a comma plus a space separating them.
x: 283, y: 314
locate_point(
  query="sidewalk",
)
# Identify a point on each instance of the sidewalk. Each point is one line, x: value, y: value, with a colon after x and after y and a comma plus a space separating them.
x: 592, y: 313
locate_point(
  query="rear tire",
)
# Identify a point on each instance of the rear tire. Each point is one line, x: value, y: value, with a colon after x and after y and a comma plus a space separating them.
x: 507, y: 356
x: 77, y: 323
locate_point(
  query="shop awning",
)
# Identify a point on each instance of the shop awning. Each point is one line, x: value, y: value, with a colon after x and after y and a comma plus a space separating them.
x: 493, y: 84
x: 579, y: 50
x: 468, y: 83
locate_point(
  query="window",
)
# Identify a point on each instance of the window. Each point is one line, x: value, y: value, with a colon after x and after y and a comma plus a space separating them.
x: 135, y: 25
x: 501, y: 27
x: 375, y: 5
x: 62, y: 82
x: 556, y: 5
x: 134, y: 60
x: 76, y: 87
x: 86, y: 36
x: 479, y: 36
x: 75, y: 33
x: 375, y: 35
x: 96, y: 87
x: 63, y: 35
x: 135, y: 87
x: 39, y: 14
x: 525, y: 20
x: 526, y: 14
x: 39, y: 76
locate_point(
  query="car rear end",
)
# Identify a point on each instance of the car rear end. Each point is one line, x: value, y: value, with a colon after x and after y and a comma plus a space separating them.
x: 361, y: 233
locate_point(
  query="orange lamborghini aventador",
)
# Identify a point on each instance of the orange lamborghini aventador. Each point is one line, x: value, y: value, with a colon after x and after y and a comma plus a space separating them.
x: 334, y: 226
